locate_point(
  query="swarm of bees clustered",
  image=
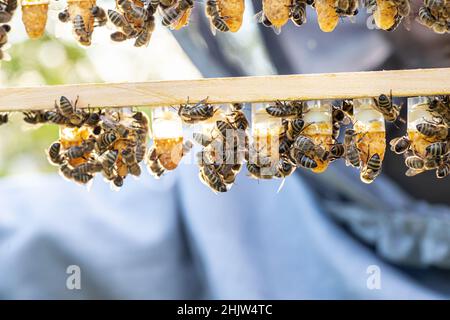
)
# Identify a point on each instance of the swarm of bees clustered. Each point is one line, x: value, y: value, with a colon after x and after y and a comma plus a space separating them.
x: 435, y: 14
x: 7, y: 8
x: 285, y: 135
x: 110, y: 142
x: 135, y: 19
x: 426, y: 146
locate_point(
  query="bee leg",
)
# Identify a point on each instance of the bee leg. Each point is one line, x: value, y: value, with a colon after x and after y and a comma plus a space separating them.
x: 76, y: 102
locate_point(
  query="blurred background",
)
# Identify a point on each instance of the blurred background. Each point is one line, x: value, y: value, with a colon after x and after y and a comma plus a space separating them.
x: 172, y: 238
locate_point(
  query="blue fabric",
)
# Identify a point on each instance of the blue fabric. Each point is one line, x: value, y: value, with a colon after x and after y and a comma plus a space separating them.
x: 174, y: 238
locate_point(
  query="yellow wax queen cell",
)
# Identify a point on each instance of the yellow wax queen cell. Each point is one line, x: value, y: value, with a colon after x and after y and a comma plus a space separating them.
x: 385, y: 14
x: 233, y: 13
x: 318, y: 127
x: 370, y: 132
x: 418, y: 113
x: 327, y: 16
x: 167, y: 132
x: 277, y: 12
x: 34, y: 17
x: 265, y: 131
x: 73, y: 137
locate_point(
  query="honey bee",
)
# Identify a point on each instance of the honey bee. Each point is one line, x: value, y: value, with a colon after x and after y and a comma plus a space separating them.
x: 199, y: 112
x: 337, y: 151
x: 400, y: 145
x: 99, y: 15
x: 443, y: 170
x: 298, y: 12
x: 216, y: 20
x: 432, y: 130
x: 426, y: 18
x: 352, y: 156
x: 153, y: 164
x: 435, y: 6
x: 414, y: 162
x: 141, y: 150
x: 346, y: 7
x: 56, y: 118
x: 35, y: 117
x: 173, y: 14
x: 54, y: 154
x: 212, y: 179
x: 65, y: 171
x: 105, y: 140
x: 79, y: 27
x: 144, y: 36
x: 120, y: 129
x: 82, y: 178
x: 303, y: 160
x: 118, y: 36
x: 66, y: 107
x: 284, y: 168
x: 135, y: 12
x: 118, y: 19
x: 294, y: 128
x: 439, y: 107
x: 88, y: 168
x: 374, y: 163
x: 404, y: 7
x: 75, y: 152
x: 284, y: 144
x: 437, y: 149
x: 225, y: 128
x: 304, y: 144
x: 129, y: 157
x: 238, y: 119
x: 254, y: 170
x: 109, y: 159
x: 385, y: 105
x: 282, y: 109
x: 92, y: 119
x: 3, y: 118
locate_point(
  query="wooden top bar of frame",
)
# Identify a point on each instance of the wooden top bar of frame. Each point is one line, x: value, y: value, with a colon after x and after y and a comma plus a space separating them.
x: 403, y: 83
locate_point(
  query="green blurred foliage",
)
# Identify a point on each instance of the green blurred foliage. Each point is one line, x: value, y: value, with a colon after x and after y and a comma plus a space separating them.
x: 22, y: 146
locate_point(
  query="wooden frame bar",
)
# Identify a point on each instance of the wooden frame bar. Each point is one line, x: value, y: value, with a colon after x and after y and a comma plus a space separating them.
x: 403, y: 83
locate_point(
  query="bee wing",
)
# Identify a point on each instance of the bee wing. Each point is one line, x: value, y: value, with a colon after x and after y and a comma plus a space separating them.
x: 281, y: 185
x: 259, y: 17
x: 413, y: 172
x: 6, y: 57
x: 212, y: 28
